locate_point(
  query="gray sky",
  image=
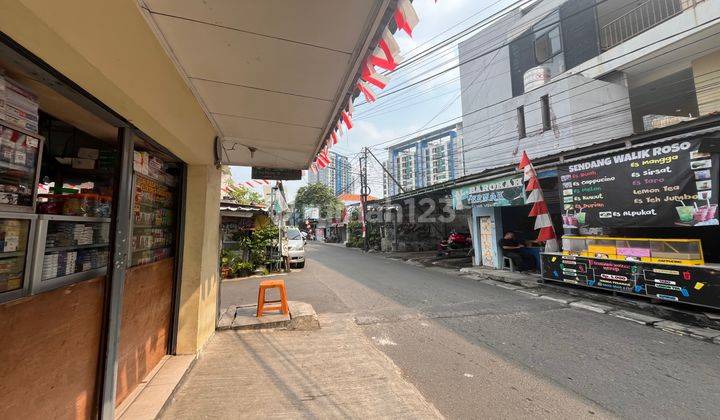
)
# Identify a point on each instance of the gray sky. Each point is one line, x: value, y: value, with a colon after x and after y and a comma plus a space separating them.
x: 420, y: 106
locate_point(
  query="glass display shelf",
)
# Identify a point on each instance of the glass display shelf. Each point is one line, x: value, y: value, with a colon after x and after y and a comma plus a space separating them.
x: 670, y: 251
x: 153, y: 221
x: 16, y: 242
x: 69, y: 249
x: 20, y: 154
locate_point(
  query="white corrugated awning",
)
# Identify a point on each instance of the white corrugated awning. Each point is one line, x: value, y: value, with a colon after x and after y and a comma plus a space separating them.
x: 272, y: 75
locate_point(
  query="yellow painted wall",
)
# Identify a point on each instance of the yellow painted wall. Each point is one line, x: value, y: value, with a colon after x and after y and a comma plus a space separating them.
x: 199, y: 287
x: 107, y: 48
x: 705, y: 71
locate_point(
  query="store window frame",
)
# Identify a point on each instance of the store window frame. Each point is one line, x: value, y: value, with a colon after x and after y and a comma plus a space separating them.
x: 543, y: 30
x: 107, y: 373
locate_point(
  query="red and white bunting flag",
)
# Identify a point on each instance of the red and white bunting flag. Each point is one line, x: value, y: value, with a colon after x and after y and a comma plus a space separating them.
x: 529, y: 172
x: 334, y: 138
x: 546, y: 234
x: 367, y: 92
x: 538, y: 208
x: 371, y: 76
x: 542, y: 221
x: 524, y: 161
x: 323, y: 159
x: 534, y: 197
x: 387, y: 54
x: 264, y: 181
x: 534, y: 184
x: 351, y: 107
x: 551, y: 245
x: 249, y: 184
x: 405, y: 16
x: 338, y: 128
x: 346, y: 119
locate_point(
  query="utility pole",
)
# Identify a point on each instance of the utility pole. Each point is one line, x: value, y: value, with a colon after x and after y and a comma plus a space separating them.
x: 364, y: 192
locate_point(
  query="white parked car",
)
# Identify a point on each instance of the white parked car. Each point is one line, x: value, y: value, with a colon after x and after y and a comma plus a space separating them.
x: 296, y: 247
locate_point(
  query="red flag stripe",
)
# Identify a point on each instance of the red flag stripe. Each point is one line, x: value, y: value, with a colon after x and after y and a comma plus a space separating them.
x: 346, y: 120
x: 369, y: 75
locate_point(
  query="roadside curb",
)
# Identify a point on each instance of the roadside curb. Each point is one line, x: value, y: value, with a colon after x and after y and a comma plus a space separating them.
x: 574, y: 300
x: 705, y: 327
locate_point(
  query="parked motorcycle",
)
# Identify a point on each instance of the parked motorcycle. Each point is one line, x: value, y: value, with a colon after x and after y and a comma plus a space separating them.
x: 455, y: 241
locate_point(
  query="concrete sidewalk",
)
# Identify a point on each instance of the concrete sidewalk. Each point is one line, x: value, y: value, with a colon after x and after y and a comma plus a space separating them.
x: 330, y: 373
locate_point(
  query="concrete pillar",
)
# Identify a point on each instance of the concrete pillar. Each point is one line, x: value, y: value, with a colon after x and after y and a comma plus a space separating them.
x: 199, y: 276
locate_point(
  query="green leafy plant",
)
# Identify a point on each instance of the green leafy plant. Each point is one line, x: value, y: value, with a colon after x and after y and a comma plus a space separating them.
x: 243, y: 268
x: 318, y: 195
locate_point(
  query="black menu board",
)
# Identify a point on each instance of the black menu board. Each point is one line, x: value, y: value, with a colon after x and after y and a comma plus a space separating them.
x: 667, y: 184
x: 697, y: 285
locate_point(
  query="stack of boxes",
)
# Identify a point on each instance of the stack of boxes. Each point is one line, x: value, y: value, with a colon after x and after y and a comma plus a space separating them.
x: 19, y: 105
x: 9, y: 235
x: 62, y: 263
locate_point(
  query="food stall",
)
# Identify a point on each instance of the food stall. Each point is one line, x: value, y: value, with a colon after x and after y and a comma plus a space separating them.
x: 666, y: 187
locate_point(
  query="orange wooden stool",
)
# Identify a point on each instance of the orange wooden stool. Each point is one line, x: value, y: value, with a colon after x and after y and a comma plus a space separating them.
x: 272, y: 284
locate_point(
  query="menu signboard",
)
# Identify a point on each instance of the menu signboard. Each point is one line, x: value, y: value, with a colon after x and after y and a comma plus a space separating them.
x: 505, y: 191
x: 697, y: 285
x: 670, y: 184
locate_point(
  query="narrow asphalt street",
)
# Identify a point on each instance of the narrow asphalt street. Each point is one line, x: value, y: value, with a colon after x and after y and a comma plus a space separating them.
x: 473, y: 349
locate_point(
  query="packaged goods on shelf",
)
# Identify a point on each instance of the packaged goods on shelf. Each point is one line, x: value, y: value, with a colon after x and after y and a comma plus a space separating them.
x: 20, y: 105
x: 141, y: 162
x: 88, y: 205
x: 10, y: 231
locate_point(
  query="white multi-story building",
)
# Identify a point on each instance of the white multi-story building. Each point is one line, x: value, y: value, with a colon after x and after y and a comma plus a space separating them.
x: 336, y: 175
x: 557, y: 75
x: 425, y: 160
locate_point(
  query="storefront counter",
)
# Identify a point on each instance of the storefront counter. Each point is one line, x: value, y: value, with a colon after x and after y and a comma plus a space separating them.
x: 692, y: 284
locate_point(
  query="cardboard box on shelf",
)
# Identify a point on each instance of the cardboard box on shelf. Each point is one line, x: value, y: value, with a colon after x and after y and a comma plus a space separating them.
x: 88, y: 153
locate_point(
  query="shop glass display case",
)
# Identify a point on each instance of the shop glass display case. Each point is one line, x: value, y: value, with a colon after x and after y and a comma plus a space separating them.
x: 677, y: 251
x: 669, y: 251
x: 69, y: 249
x: 574, y: 245
x: 16, y: 239
x: 19, y: 169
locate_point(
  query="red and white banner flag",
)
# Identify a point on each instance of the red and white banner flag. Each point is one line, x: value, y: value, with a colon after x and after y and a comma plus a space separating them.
x: 543, y: 221
x: 346, y: 119
x: 367, y: 92
x: 323, y: 159
x: 371, y: 76
x: 387, y: 53
x: 405, y: 16
x: 334, y: 138
x: 351, y: 108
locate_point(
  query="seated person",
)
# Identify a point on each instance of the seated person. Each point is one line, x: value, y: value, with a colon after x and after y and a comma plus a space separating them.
x: 512, y: 249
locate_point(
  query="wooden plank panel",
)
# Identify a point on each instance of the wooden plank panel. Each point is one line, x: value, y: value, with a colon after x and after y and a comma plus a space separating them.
x: 145, y: 327
x: 49, y: 353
